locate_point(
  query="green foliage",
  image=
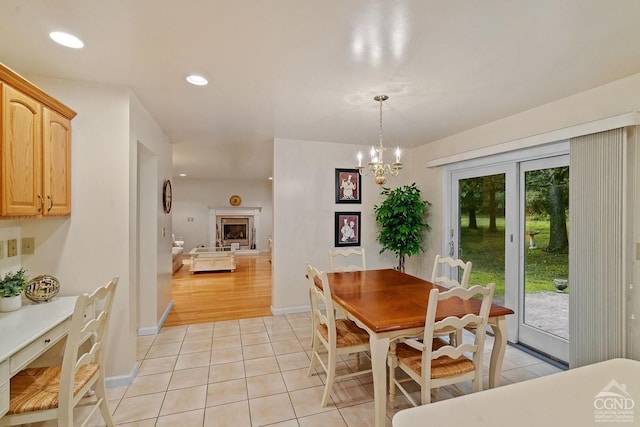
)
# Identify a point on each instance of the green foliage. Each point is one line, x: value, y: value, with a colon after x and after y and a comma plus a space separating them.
x: 537, y: 185
x: 486, y: 250
x: 13, y: 283
x: 402, y: 221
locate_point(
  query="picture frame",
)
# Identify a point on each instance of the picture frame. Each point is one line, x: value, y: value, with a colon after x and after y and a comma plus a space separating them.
x: 348, y: 184
x: 347, y: 229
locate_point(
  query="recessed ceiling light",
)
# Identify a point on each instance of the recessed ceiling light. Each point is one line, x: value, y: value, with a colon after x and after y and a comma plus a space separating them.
x: 66, y: 39
x: 197, y: 80
x: 183, y: 174
x: 270, y: 178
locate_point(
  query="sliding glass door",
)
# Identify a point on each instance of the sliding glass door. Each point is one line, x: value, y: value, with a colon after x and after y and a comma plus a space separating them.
x: 482, y: 229
x: 509, y: 218
x: 544, y: 285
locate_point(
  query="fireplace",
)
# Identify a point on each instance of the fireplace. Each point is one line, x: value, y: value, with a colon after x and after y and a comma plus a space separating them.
x: 235, y: 229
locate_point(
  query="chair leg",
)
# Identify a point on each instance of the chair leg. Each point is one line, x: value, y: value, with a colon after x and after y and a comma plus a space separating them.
x: 331, y: 375
x: 65, y: 415
x: 435, y: 392
x: 392, y: 361
x: 314, y: 354
x: 425, y: 390
x: 101, y: 393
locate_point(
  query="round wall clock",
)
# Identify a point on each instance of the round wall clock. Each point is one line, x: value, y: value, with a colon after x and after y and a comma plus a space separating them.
x: 235, y: 200
x: 166, y: 196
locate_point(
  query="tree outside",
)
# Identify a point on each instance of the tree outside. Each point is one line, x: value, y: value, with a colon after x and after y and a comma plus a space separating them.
x: 482, y: 228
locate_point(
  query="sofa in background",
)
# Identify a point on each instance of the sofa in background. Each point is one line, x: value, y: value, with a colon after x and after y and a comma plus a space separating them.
x: 177, y: 252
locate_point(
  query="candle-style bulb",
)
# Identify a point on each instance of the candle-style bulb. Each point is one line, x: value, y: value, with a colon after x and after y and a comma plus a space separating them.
x: 359, y: 158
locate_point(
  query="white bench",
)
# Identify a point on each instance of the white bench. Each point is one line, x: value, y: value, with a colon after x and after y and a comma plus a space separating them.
x: 211, y: 259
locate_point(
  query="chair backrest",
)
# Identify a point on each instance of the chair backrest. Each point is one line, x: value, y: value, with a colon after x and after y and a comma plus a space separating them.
x: 452, y: 324
x: 321, y: 303
x: 86, y: 338
x: 439, y: 277
x: 356, y: 256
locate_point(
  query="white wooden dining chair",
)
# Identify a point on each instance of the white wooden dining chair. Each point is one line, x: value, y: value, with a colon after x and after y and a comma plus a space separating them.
x: 52, y: 392
x: 347, y: 259
x: 338, y: 336
x: 433, y: 362
x: 442, y: 272
x: 442, y: 268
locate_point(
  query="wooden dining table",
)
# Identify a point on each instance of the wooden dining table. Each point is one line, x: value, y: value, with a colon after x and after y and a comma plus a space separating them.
x: 390, y: 304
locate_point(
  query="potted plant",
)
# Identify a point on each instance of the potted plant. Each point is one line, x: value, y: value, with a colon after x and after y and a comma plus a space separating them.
x: 402, y: 221
x: 11, y: 287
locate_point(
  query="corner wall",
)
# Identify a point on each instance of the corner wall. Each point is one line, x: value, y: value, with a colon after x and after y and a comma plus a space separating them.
x: 303, y: 211
x: 89, y: 248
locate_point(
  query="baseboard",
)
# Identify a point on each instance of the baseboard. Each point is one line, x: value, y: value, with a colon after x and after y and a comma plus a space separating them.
x: 290, y: 310
x: 122, y: 380
x: 154, y: 330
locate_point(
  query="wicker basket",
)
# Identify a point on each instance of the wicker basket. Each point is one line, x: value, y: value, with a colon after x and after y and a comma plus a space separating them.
x: 42, y: 288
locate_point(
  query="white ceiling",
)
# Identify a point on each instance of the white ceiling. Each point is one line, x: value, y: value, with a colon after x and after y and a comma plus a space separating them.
x: 308, y: 69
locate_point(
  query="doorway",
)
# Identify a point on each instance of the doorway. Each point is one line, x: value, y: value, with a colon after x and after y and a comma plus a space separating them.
x: 507, y: 215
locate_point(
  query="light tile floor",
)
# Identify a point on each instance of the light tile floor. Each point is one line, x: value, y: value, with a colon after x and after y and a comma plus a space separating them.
x: 253, y: 372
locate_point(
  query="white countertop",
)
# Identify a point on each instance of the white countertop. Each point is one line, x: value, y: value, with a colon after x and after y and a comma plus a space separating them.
x: 571, y: 398
x: 20, y: 327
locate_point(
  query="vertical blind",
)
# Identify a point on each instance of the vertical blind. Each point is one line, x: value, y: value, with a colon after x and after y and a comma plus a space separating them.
x: 598, y: 215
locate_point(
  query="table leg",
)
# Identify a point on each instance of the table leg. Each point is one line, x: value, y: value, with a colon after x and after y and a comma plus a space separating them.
x: 379, y: 348
x: 499, y: 328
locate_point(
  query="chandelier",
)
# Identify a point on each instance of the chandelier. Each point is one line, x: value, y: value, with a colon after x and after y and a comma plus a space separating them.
x: 376, y: 165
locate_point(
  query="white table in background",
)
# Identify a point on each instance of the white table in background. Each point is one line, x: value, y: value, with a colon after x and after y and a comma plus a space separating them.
x: 25, y: 334
x: 585, y: 396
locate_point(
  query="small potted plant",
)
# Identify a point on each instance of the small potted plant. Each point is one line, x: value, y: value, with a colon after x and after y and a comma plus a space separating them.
x: 11, y: 287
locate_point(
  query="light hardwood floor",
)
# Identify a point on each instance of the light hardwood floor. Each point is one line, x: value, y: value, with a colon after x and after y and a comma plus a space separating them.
x: 221, y: 295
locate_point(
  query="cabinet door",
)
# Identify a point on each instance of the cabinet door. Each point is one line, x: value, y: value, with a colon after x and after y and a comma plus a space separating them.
x: 56, y: 164
x: 21, y: 166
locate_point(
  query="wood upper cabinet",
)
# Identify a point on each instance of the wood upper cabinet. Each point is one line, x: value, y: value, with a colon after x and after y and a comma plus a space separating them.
x: 56, y: 163
x: 35, y: 150
x: 21, y: 131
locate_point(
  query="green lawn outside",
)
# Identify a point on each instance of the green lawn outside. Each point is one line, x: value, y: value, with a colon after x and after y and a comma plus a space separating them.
x: 486, y: 251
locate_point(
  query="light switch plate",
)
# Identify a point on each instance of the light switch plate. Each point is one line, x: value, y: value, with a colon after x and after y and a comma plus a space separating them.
x: 12, y: 247
x: 28, y: 245
x: 1, y: 249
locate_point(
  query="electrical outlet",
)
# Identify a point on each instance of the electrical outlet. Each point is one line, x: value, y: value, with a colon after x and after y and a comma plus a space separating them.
x: 1, y: 249
x: 28, y: 245
x: 12, y: 247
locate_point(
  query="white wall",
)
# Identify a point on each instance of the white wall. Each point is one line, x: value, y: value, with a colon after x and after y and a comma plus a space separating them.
x: 10, y: 230
x: 98, y: 241
x: 151, y: 240
x: 193, y: 198
x: 304, y: 207
x: 87, y: 249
